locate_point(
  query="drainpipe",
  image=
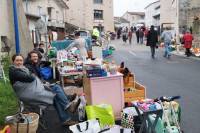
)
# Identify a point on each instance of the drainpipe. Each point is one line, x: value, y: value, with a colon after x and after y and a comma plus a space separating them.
x: 17, y: 44
x: 26, y: 6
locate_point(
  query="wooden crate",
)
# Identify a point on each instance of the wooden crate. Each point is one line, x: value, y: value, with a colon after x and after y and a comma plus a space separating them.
x: 89, y: 54
x: 129, y: 82
x: 139, y: 93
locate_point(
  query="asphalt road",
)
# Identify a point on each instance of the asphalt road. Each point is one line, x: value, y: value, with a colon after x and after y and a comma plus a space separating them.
x: 163, y: 77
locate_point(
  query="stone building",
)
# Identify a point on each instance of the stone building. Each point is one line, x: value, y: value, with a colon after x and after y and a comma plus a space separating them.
x: 55, y: 10
x: 87, y: 14
x: 7, y: 34
x: 152, y: 14
x: 134, y: 18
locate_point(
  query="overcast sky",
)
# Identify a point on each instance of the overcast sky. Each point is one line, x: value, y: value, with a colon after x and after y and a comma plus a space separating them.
x: 121, y: 6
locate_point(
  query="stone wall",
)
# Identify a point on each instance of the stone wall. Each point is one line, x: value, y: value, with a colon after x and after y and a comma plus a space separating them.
x: 7, y: 26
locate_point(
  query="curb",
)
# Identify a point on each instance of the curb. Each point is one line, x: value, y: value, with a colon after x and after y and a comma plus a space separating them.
x: 181, y: 54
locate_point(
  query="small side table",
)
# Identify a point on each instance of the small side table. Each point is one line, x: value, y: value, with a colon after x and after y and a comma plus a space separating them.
x: 62, y: 75
x: 144, y: 117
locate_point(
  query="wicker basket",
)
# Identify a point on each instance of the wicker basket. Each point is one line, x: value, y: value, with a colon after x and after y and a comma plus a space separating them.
x: 23, y: 128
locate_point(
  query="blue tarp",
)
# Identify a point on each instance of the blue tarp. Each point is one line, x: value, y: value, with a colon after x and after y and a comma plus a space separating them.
x: 60, y: 45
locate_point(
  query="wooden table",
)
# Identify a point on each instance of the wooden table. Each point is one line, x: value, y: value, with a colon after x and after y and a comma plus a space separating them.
x: 67, y: 74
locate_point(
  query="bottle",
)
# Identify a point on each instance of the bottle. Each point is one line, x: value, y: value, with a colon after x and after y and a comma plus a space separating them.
x: 81, y: 108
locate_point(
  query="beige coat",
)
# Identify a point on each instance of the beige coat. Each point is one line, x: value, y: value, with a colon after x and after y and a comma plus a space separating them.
x: 79, y: 43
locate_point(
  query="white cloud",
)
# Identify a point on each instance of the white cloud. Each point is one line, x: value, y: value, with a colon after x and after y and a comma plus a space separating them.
x: 121, y: 6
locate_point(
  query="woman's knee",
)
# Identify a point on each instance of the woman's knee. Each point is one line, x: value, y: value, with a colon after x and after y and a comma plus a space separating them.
x: 56, y: 87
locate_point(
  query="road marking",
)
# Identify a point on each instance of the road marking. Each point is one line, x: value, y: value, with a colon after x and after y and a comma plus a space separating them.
x: 131, y: 52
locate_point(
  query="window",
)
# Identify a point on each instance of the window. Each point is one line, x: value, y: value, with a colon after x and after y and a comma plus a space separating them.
x: 98, y: 14
x: 98, y: 1
x: 49, y: 11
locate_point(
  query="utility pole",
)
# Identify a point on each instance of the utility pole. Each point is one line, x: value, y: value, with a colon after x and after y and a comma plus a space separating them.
x: 17, y: 43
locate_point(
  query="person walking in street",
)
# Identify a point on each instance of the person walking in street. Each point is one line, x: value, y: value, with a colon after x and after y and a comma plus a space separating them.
x: 130, y: 34
x: 119, y: 31
x: 141, y: 35
x: 187, y: 39
x: 137, y: 35
x: 124, y: 36
x: 167, y: 37
x: 152, y: 40
x: 132, y: 29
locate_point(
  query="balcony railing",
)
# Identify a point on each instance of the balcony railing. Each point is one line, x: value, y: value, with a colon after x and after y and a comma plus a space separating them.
x: 98, y: 20
x: 156, y: 13
x: 56, y: 23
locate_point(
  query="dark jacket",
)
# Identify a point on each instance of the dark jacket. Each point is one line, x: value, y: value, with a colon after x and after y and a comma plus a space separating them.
x: 33, y: 68
x: 29, y: 88
x: 16, y: 74
x: 152, y: 38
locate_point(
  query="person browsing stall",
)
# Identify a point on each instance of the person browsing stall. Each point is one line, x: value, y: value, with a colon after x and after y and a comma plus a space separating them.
x: 79, y: 43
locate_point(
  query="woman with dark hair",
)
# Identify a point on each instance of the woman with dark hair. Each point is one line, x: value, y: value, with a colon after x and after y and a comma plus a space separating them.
x: 30, y: 89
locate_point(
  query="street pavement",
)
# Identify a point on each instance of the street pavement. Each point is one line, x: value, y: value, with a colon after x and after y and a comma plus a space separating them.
x: 179, y: 75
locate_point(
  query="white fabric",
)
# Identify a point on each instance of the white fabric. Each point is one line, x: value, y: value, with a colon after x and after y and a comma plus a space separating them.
x: 79, y: 43
x: 116, y: 129
x: 97, y: 52
x: 93, y: 127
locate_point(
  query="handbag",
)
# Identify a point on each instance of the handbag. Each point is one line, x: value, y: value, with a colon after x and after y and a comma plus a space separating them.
x: 102, y: 112
x: 127, y: 117
x: 90, y: 126
x: 117, y: 129
x: 46, y: 73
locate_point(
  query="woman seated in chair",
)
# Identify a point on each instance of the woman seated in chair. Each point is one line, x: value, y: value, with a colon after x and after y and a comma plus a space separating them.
x: 30, y: 89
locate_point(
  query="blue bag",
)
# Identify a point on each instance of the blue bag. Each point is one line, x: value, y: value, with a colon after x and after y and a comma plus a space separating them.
x: 46, y: 73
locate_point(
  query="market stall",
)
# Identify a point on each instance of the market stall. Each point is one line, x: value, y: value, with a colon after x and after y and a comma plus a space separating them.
x: 107, y: 92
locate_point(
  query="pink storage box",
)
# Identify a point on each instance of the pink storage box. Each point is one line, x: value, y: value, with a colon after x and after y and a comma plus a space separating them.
x: 106, y: 90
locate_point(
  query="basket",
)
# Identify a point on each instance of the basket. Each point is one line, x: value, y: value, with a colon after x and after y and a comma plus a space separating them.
x: 138, y: 93
x: 23, y: 128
